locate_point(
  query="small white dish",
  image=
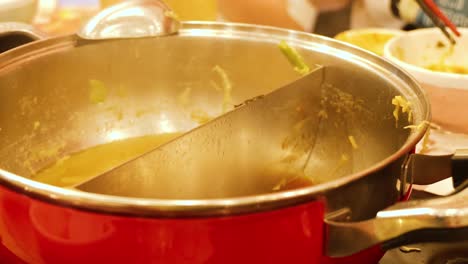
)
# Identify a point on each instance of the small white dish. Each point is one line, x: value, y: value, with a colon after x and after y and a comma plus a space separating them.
x: 419, y: 49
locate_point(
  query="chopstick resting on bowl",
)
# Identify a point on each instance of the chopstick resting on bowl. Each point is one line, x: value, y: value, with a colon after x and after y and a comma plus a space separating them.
x: 439, y: 19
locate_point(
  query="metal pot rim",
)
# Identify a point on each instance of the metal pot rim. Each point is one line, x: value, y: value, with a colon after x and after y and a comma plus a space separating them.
x: 211, y: 207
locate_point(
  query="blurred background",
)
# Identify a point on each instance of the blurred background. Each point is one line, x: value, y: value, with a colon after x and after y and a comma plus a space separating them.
x: 327, y: 17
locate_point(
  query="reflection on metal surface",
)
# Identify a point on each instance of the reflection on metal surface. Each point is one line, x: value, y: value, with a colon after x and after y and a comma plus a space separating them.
x: 406, y: 249
x: 116, y: 135
x: 131, y: 19
x: 166, y: 125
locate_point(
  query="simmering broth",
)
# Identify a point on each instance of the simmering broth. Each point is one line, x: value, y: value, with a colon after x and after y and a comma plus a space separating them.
x: 81, y: 166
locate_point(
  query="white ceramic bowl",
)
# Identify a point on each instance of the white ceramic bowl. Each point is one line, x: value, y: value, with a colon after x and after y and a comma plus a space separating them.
x: 448, y: 92
x: 18, y: 10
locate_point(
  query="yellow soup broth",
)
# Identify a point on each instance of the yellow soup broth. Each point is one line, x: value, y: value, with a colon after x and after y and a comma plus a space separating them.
x: 81, y: 166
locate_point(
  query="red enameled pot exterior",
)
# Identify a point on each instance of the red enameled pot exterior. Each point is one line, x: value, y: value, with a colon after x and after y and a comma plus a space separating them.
x: 38, y: 232
x: 45, y: 233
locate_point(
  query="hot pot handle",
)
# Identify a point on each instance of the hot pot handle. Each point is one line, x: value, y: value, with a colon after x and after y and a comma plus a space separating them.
x: 426, y: 169
x: 13, y: 34
x: 432, y: 220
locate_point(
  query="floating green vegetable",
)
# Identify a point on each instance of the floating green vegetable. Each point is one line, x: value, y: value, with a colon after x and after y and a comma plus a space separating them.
x: 294, y: 58
x: 97, y: 91
x: 419, y: 126
x: 226, y: 86
x: 402, y: 104
x: 352, y: 140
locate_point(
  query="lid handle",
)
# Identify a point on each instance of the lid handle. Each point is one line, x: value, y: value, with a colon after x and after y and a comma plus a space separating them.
x: 131, y: 19
x: 13, y: 34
